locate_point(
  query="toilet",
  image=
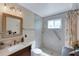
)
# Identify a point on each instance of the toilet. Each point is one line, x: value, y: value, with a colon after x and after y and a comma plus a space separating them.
x: 38, y: 52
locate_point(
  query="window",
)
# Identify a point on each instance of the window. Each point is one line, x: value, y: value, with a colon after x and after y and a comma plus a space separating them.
x: 54, y: 24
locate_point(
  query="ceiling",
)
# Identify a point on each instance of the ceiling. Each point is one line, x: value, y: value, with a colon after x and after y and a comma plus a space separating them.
x: 47, y: 9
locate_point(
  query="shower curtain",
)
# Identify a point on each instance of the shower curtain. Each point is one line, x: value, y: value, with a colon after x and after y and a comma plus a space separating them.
x: 71, y: 26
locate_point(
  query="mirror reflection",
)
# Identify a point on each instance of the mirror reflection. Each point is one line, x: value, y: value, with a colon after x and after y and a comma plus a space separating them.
x: 13, y: 25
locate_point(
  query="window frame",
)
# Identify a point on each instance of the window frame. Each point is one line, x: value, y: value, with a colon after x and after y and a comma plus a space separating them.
x: 54, y: 20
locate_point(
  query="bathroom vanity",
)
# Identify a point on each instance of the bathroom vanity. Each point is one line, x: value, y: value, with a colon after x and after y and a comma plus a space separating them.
x: 12, y: 41
x: 21, y: 49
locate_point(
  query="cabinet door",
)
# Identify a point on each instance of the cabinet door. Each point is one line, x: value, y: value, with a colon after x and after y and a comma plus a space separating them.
x: 24, y: 52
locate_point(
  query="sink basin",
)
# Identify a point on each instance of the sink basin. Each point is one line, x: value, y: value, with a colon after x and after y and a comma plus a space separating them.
x: 13, y: 48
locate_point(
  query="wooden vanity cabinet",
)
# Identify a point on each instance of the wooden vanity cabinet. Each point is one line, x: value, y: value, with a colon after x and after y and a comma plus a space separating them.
x: 24, y: 52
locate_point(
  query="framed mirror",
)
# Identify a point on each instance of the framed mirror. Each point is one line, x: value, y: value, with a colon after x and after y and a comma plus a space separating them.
x: 11, y: 25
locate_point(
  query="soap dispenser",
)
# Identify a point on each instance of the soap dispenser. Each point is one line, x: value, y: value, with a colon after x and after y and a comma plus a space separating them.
x: 14, y: 42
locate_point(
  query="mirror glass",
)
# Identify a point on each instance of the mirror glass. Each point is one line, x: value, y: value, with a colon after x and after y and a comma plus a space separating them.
x: 12, y: 25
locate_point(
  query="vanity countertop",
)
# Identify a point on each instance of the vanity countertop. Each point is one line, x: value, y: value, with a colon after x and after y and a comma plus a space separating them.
x: 10, y: 50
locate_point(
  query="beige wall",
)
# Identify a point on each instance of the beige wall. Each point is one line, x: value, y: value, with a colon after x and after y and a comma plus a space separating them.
x: 28, y: 24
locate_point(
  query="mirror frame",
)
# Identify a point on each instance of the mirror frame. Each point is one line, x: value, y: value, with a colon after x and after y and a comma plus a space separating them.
x: 4, y: 16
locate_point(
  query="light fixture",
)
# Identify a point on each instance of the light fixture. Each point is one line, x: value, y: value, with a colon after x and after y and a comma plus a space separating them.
x: 12, y: 10
x: 20, y: 12
x: 5, y: 6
